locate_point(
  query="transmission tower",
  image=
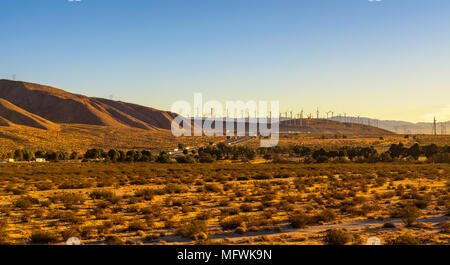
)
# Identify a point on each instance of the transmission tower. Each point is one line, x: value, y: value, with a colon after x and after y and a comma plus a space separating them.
x: 301, y: 117
x: 434, y: 126
x: 443, y: 128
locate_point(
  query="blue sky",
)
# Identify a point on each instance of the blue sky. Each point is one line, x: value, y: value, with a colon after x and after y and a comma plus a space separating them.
x: 387, y: 60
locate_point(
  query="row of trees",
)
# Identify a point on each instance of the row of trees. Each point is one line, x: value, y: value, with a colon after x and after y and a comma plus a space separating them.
x: 396, y: 152
x: 222, y: 151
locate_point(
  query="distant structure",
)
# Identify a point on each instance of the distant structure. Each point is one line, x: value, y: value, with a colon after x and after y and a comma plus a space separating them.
x: 434, y: 126
x: 14, y: 77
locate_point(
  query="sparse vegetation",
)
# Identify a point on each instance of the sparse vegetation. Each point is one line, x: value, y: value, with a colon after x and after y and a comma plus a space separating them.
x: 151, y: 202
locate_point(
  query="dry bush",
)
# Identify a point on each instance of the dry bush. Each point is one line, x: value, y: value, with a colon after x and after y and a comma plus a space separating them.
x: 405, y: 239
x: 193, y: 229
x: 410, y: 214
x: 137, y: 225
x: 232, y: 222
x: 445, y: 227
x: 44, y: 237
x: 146, y: 194
x: 299, y: 220
x: 114, y: 240
x: 337, y: 237
x: 25, y: 202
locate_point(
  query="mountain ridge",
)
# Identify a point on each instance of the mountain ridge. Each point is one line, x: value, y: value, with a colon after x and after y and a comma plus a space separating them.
x: 59, y: 106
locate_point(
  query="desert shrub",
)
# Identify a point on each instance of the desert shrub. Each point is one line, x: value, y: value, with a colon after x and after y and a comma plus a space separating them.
x: 204, y: 215
x: 71, y: 218
x: 193, y: 229
x: 71, y: 232
x: 4, y: 237
x: 153, y: 210
x: 44, y: 186
x: 114, y: 240
x: 246, y: 207
x: 299, y: 220
x: 326, y: 215
x: 25, y: 202
x: 68, y: 198
x: 100, y: 213
x: 102, y: 194
x: 44, y: 237
x: 175, y: 188
x: 405, y: 239
x: 3, y: 224
x: 152, y: 237
x: 410, y: 214
x: 137, y: 225
x: 337, y: 237
x: 422, y: 203
x: 229, y: 211
x: 231, y: 222
x: 88, y: 232
x: 388, y: 225
x: 105, y: 195
x: 241, y: 230
x: 213, y: 187
x: 16, y: 190
x: 105, y: 227
x: 147, y: 194
x: 445, y: 227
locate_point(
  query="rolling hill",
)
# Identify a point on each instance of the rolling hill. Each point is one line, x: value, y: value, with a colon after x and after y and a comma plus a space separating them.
x: 58, y: 106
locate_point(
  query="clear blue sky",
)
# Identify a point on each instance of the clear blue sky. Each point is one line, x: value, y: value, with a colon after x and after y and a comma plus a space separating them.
x: 388, y: 59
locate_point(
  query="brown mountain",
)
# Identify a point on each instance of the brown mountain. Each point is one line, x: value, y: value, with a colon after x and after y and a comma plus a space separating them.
x: 11, y: 115
x: 51, y: 105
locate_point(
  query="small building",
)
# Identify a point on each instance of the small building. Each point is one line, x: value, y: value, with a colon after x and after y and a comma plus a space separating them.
x: 40, y: 160
x: 10, y: 160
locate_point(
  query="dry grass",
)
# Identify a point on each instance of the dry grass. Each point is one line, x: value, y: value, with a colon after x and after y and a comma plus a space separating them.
x: 224, y: 203
x: 80, y: 138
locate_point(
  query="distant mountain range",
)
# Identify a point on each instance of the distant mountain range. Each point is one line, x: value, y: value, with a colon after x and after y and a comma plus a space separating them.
x: 401, y: 127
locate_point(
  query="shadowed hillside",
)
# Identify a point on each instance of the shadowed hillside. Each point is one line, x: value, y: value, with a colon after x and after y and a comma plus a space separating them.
x: 11, y: 115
